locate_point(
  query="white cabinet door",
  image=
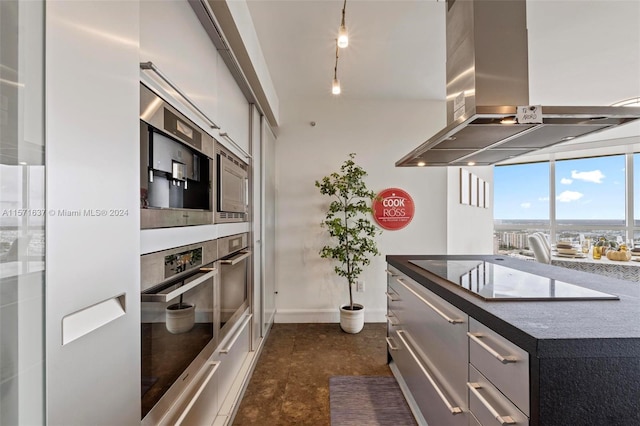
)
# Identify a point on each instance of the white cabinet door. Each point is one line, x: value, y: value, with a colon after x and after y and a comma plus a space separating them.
x: 92, y: 162
x: 233, y: 109
x: 172, y: 37
x: 256, y: 214
x: 268, y: 225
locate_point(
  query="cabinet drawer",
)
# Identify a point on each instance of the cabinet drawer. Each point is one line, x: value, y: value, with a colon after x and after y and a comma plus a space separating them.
x: 202, y: 406
x: 231, y: 355
x: 501, y: 362
x: 437, y: 328
x: 489, y: 406
x: 473, y: 421
x: 438, y: 406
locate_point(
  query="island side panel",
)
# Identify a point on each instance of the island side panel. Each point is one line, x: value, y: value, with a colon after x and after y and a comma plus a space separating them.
x: 590, y: 391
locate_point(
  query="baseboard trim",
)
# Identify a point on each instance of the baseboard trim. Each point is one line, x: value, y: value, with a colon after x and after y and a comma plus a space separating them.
x: 284, y: 316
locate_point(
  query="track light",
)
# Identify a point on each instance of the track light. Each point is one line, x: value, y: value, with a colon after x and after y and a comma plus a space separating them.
x: 343, y: 35
x: 335, y: 86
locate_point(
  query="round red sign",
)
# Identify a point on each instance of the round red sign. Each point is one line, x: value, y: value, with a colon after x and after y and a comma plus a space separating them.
x: 393, y: 209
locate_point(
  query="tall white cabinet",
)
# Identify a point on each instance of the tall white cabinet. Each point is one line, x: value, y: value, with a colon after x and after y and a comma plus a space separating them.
x: 233, y: 110
x: 268, y: 224
x: 257, y: 216
x: 92, y: 233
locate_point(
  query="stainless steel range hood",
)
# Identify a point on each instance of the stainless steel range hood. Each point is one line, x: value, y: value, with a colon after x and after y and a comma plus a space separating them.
x: 488, y: 85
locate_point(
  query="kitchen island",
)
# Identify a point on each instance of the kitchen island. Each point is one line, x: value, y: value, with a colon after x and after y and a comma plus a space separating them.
x: 468, y: 350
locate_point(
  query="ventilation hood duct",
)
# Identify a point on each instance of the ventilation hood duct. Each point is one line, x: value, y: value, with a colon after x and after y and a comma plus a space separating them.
x: 489, y: 118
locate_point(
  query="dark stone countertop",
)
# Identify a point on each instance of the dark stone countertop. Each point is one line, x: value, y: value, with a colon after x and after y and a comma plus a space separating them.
x: 547, y: 329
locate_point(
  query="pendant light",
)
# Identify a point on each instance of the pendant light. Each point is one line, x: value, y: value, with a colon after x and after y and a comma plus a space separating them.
x: 335, y: 86
x: 343, y: 35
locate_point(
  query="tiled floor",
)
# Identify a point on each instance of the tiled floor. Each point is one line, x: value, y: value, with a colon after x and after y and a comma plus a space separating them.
x: 290, y: 385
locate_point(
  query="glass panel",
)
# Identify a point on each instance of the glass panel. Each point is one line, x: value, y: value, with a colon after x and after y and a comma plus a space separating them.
x: 591, y: 191
x: 521, y: 206
x: 636, y: 189
x: 22, y: 214
x: 521, y: 193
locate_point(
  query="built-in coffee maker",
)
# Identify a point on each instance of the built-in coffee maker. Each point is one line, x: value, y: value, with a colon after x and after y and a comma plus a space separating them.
x: 176, y: 166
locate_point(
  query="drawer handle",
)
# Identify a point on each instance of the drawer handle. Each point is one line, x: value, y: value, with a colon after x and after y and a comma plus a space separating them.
x: 391, y: 344
x: 165, y: 297
x: 240, y: 329
x: 214, y: 366
x: 391, y: 274
x: 503, y: 359
x: 452, y: 409
x: 504, y: 420
x: 391, y: 319
x: 392, y: 297
x: 237, y: 258
x: 426, y: 302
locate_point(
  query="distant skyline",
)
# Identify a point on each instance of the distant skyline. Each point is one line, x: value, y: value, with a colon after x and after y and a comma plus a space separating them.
x: 586, y: 189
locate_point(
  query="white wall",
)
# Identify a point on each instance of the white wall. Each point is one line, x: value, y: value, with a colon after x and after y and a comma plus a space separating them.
x: 469, y: 228
x: 583, y: 52
x: 380, y: 132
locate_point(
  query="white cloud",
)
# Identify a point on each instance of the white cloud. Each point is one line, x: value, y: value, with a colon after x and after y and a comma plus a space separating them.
x: 569, y: 196
x: 543, y: 199
x: 525, y: 205
x: 594, y: 176
x: 566, y: 181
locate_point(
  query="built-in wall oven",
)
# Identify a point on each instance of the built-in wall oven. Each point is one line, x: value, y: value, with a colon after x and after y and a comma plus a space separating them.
x: 232, y: 187
x: 235, y: 290
x: 176, y: 166
x: 180, y: 322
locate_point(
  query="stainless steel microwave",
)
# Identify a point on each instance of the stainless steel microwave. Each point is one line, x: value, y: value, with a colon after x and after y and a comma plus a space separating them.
x: 176, y: 167
x: 232, y: 187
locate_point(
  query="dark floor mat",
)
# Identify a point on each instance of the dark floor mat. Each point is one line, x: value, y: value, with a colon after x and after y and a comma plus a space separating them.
x: 368, y: 400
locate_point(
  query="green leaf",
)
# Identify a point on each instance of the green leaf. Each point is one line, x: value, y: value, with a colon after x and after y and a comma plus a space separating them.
x: 347, y: 221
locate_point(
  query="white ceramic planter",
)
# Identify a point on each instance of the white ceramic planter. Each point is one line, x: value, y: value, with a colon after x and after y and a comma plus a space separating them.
x: 352, y: 321
x: 180, y: 320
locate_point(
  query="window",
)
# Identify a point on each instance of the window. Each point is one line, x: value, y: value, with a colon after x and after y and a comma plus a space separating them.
x: 636, y: 190
x: 590, y: 199
x: 521, y: 204
x: 590, y: 190
x: 521, y: 192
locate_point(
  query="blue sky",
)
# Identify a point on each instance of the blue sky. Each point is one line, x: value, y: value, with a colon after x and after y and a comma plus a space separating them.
x: 591, y: 188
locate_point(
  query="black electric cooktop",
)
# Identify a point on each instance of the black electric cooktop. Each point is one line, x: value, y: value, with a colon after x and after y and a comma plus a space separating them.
x: 490, y: 281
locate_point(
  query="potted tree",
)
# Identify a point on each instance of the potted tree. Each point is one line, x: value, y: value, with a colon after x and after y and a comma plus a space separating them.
x: 352, y: 233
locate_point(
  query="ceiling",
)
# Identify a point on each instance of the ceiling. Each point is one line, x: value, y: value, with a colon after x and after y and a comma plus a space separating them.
x: 396, y: 48
x: 583, y: 52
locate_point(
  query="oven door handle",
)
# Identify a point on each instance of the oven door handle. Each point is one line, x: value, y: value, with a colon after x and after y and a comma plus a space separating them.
x: 236, y: 259
x: 211, y: 272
